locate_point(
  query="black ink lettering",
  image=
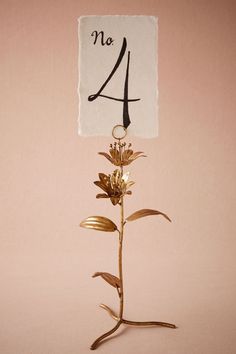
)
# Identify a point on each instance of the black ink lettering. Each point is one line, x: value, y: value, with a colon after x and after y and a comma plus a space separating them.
x: 126, y: 119
x: 108, y: 41
x: 120, y: 57
x: 96, y: 34
x: 125, y: 100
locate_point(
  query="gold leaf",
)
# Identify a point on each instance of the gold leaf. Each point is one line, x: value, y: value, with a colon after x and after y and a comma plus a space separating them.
x: 145, y: 212
x: 99, y: 223
x: 109, y: 278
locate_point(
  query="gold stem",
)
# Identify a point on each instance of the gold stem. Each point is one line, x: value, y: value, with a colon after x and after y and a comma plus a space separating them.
x: 121, y: 234
x: 99, y: 339
x: 110, y: 311
x: 120, y: 258
x: 149, y: 323
x: 121, y: 292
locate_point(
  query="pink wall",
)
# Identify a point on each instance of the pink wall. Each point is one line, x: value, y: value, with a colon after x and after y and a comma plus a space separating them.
x: 182, y: 272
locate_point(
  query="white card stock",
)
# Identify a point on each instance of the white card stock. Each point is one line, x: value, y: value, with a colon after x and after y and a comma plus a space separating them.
x: 118, y: 75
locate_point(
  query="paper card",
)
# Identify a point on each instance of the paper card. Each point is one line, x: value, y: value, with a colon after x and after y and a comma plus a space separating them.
x: 118, y: 75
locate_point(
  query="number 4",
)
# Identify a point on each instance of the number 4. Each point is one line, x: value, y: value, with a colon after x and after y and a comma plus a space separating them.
x: 125, y: 100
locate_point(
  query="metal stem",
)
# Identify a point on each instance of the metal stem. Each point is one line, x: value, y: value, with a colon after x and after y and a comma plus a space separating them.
x: 120, y: 254
x: 121, y: 291
x: 149, y: 323
x: 137, y: 323
x: 99, y: 339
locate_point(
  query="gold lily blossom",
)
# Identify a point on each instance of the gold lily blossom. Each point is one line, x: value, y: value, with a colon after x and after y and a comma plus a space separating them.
x: 115, y: 186
x: 120, y: 156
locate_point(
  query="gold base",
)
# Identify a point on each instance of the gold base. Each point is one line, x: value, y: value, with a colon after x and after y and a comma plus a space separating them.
x: 132, y: 323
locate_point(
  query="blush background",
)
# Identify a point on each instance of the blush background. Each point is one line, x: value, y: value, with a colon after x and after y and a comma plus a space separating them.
x: 183, y: 272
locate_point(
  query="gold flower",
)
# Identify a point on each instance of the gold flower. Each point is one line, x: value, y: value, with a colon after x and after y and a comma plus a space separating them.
x: 115, y: 186
x: 120, y: 156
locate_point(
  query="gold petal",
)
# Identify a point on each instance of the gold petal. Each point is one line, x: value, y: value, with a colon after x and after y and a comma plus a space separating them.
x: 115, y: 154
x: 127, y: 162
x: 115, y: 200
x: 112, y: 152
x: 125, y: 177
x: 117, y: 162
x: 103, y: 178
x: 136, y: 155
x: 129, y: 184
x: 145, y: 212
x: 100, y: 223
x: 101, y: 185
x: 126, y: 154
x: 106, y: 155
x: 102, y: 195
x: 115, y: 179
x: 109, y: 278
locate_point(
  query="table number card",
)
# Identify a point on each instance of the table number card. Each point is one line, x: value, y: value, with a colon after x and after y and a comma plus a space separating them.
x: 118, y: 75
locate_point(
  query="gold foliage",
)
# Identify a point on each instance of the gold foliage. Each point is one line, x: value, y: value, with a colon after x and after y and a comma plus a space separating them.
x: 100, y: 223
x: 145, y: 212
x: 109, y: 278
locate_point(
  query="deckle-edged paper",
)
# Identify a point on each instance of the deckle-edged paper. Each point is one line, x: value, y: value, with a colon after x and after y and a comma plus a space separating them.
x: 118, y: 75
